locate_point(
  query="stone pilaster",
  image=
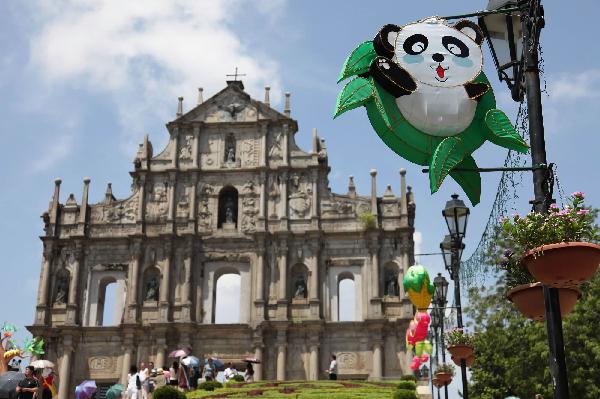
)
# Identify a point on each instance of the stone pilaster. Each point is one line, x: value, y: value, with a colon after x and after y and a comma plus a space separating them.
x: 313, y: 365
x: 127, y: 350
x: 133, y: 278
x: 282, y: 301
x: 64, y: 372
x: 73, y: 299
x: 281, y: 354
x: 44, y: 283
x: 259, y: 300
x: 377, y: 368
x: 165, y: 286
x: 186, y: 302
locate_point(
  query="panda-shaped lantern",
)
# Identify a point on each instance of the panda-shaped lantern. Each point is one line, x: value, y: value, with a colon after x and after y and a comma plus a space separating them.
x: 428, y: 98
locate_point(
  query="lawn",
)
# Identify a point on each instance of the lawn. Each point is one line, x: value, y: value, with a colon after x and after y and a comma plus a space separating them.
x: 302, y: 390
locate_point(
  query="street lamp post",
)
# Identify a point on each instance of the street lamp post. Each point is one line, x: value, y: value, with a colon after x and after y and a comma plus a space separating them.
x: 523, y: 59
x: 435, y: 325
x: 441, y: 291
x: 456, y: 215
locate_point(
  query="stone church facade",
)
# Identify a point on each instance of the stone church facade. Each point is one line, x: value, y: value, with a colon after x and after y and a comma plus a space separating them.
x: 230, y: 193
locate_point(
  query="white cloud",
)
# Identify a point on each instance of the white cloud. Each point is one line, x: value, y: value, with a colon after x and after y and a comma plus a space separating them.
x: 575, y: 86
x: 418, y: 240
x: 145, y: 54
x: 49, y: 155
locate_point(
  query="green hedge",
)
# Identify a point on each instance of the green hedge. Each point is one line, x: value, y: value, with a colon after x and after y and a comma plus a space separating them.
x: 405, y: 394
x: 168, y: 392
x: 210, y: 385
x: 409, y: 377
x: 238, y: 378
x: 407, y: 384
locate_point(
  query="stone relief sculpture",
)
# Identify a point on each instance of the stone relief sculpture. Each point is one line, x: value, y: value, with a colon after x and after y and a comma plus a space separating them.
x: 249, y: 213
x: 276, y: 150
x: 183, y: 200
x: 337, y: 208
x: 300, y: 197
x: 152, y: 289
x: 230, y: 144
x: 185, y: 151
x: 300, y: 291
x: 250, y: 152
x: 62, y: 290
x: 157, y: 202
x: 274, y: 195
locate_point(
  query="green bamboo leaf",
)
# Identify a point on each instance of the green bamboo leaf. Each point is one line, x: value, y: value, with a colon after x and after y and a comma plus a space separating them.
x: 358, y: 61
x: 356, y: 93
x: 503, y: 132
x: 448, y: 154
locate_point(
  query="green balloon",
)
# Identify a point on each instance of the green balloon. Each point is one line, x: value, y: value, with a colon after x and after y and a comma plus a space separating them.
x: 416, y: 276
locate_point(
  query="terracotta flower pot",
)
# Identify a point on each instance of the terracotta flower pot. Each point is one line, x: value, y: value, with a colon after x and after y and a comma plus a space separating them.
x: 469, y: 361
x: 445, y: 378
x: 460, y: 351
x: 436, y: 382
x: 565, y: 264
x: 529, y: 300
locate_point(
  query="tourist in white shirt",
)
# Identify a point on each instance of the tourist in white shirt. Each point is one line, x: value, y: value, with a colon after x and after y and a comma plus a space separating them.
x: 144, y: 374
x: 133, y: 383
x: 230, y: 372
x: 333, y: 368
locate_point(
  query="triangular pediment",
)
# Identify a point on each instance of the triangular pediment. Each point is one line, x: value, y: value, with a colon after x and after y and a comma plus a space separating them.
x: 232, y: 104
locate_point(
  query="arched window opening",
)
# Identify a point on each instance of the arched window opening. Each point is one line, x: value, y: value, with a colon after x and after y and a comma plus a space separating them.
x: 226, y: 297
x: 228, y: 208
x: 108, y: 314
x: 347, y: 299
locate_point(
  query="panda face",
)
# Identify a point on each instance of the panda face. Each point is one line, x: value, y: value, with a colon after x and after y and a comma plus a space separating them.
x: 437, y: 54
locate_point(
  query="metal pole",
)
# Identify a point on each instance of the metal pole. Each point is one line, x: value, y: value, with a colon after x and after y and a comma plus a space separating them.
x: 455, y: 276
x: 437, y: 351
x: 442, y: 314
x: 532, y: 22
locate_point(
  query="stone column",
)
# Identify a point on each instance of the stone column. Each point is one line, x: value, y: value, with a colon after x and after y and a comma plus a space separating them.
x: 175, y: 141
x: 196, y: 138
x: 64, y: 388
x: 160, y: 355
x: 171, y: 193
x: 74, y: 286
x: 185, y: 289
x: 135, y: 251
x: 283, y: 199
x: 263, y: 144
x: 44, y: 283
x: 281, y: 362
x: 313, y: 373
x: 283, y: 272
x: 263, y: 195
x: 192, y: 199
x: 376, y: 374
x: 286, y: 141
x: 165, y: 285
x: 260, y: 272
x: 258, y: 367
x: 127, y: 349
x: 313, y: 288
x: 375, y: 269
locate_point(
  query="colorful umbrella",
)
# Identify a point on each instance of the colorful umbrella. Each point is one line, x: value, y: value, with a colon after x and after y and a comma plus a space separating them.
x: 190, y: 361
x: 85, y: 390
x: 216, y: 362
x: 8, y: 384
x: 251, y: 360
x: 179, y: 353
x: 42, y: 364
x: 115, y: 391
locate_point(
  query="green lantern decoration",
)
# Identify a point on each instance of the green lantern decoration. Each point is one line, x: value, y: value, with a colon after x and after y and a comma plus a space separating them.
x: 418, y: 287
x: 428, y: 99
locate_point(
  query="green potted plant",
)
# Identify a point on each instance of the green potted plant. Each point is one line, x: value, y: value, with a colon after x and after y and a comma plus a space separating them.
x: 540, y: 238
x: 444, y: 373
x: 560, y: 248
x: 460, y: 344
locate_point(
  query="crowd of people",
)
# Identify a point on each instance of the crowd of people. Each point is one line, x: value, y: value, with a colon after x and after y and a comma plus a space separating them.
x: 142, y: 380
x: 37, y: 384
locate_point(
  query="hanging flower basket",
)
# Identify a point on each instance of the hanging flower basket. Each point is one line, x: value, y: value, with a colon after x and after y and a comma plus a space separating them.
x: 529, y: 300
x: 444, y: 378
x: 436, y: 382
x: 565, y: 264
x: 469, y: 361
x: 460, y: 352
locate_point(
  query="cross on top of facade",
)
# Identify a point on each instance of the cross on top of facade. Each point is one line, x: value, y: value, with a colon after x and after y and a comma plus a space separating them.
x: 235, y: 74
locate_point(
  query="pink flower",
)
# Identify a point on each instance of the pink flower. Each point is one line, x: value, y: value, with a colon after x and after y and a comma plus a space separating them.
x: 553, y: 206
x: 583, y: 211
x: 578, y: 194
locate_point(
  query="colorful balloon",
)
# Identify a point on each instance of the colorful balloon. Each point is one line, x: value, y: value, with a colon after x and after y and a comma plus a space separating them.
x: 417, y: 285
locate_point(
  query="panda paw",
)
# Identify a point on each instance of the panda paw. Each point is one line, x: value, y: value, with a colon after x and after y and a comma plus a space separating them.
x: 392, y: 77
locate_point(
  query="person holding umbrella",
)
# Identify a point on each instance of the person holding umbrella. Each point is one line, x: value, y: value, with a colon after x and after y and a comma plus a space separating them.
x: 28, y: 386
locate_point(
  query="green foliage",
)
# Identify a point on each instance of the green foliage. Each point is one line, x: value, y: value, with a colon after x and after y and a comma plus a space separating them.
x: 444, y: 368
x: 517, y: 235
x: 459, y: 336
x: 210, y: 385
x: 358, y: 61
x: 238, y: 378
x: 368, y: 220
x: 512, y: 352
x: 407, y: 385
x: 355, y: 94
x: 409, y: 377
x: 167, y: 392
x: 405, y: 394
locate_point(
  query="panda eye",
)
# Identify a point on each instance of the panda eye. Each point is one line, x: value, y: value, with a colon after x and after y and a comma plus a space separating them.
x: 415, y: 44
x: 455, y: 46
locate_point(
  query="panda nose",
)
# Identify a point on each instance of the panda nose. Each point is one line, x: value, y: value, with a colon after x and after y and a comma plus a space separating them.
x: 437, y: 57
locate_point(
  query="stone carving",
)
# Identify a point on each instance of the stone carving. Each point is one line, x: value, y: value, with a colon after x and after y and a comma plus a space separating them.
x: 110, y: 267
x: 337, y: 208
x: 248, y: 187
x: 98, y: 363
x: 185, y: 151
x: 276, y: 149
x: 347, y: 360
x: 208, y: 154
x: 300, y: 197
x: 152, y: 290
x: 204, y: 214
x: 183, y: 200
x: 156, y: 208
x: 229, y: 211
x: 390, y: 209
x: 62, y: 290
x: 249, y: 213
x: 300, y: 291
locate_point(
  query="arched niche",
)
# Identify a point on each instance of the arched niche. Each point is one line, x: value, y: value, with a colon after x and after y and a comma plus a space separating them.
x: 151, y: 284
x: 228, y: 208
x: 60, y: 294
x: 391, y: 283
x: 299, y: 282
x: 346, y: 287
x: 99, y: 278
x: 337, y: 274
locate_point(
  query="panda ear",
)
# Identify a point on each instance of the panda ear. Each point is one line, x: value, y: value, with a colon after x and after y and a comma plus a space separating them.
x: 382, y: 43
x: 470, y: 29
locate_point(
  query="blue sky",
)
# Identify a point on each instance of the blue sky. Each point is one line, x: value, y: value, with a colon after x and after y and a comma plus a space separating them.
x: 82, y: 82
